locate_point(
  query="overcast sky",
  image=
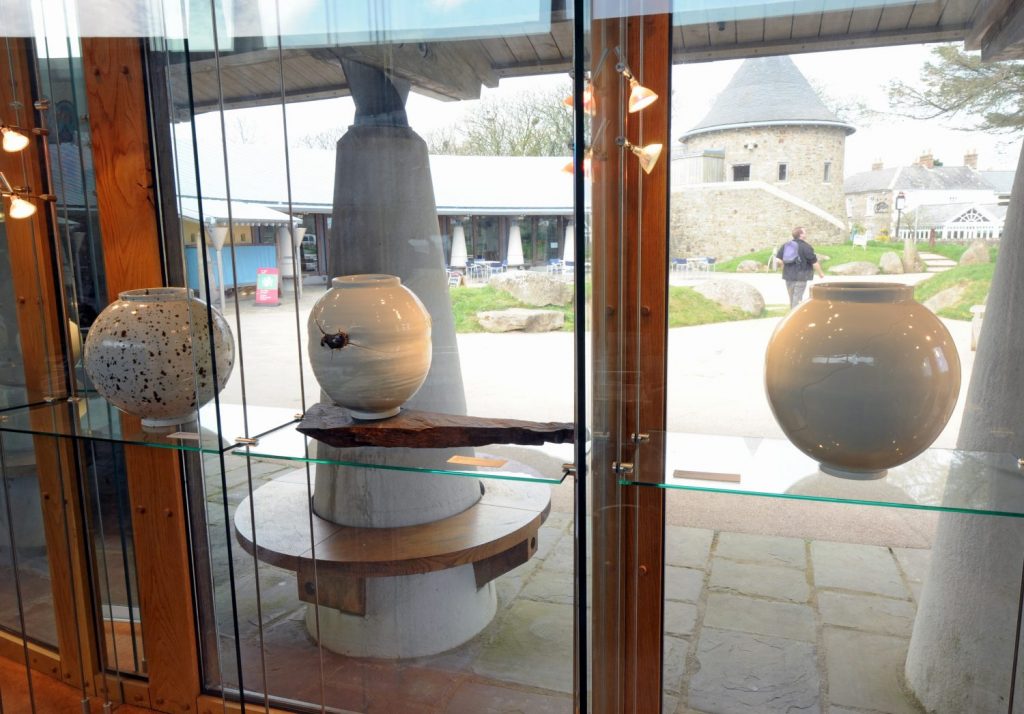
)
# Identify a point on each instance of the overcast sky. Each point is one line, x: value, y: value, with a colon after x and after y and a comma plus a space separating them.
x: 848, y: 75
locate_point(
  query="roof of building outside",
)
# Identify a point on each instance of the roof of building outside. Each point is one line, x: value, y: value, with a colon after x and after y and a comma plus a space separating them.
x: 1001, y: 181
x: 939, y: 214
x: 918, y: 178
x: 767, y: 91
x: 463, y: 185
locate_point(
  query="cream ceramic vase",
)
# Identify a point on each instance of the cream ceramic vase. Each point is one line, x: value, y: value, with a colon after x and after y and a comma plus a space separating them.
x: 369, y: 344
x: 149, y: 353
x: 861, y: 377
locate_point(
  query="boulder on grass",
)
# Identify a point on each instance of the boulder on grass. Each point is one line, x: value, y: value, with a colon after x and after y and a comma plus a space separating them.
x: 890, y: 263
x: 533, y: 288
x: 945, y: 298
x: 976, y: 254
x: 733, y: 294
x: 858, y: 267
x: 520, y: 319
x: 748, y: 266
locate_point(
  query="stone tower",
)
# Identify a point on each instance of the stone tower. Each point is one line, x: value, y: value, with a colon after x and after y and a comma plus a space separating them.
x: 767, y: 157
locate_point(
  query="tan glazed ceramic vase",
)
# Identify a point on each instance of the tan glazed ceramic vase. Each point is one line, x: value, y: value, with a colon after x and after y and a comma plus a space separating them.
x: 861, y: 377
x: 369, y: 344
x: 149, y: 353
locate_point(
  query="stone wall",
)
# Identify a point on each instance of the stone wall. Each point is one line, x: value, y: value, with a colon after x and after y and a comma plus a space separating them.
x: 804, y: 150
x: 710, y: 220
x: 725, y: 222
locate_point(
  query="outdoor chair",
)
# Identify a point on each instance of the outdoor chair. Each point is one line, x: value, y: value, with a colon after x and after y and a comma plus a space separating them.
x: 480, y: 271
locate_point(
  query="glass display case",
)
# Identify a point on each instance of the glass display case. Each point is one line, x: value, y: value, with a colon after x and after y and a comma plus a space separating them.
x: 260, y: 161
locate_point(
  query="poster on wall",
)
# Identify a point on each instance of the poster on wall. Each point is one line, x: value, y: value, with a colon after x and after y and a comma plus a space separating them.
x: 266, y: 286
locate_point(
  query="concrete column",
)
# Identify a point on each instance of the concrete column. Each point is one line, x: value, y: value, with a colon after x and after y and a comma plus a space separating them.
x: 385, y: 221
x: 514, y: 256
x: 961, y: 653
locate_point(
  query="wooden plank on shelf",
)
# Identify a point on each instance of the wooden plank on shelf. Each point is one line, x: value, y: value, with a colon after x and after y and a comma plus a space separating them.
x: 507, y: 514
x: 416, y: 429
x: 114, y: 78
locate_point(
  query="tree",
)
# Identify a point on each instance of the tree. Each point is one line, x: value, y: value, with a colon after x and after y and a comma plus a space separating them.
x: 529, y: 123
x: 958, y: 85
x: 322, y: 140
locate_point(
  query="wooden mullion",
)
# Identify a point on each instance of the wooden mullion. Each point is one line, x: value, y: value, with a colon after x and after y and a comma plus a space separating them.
x: 41, y: 325
x: 630, y: 218
x: 115, y: 87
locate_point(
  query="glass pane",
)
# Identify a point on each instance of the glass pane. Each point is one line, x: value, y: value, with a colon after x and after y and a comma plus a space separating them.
x: 26, y: 598
x: 421, y: 571
x: 784, y: 167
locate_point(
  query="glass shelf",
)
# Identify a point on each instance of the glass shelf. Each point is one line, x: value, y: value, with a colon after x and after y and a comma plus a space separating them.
x: 937, y: 480
x: 91, y: 417
x: 507, y: 462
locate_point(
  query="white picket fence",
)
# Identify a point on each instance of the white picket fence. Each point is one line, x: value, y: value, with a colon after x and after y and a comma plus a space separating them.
x: 963, y: 232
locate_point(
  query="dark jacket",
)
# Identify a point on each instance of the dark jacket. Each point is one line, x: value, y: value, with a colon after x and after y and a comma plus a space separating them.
x: 801, y: 269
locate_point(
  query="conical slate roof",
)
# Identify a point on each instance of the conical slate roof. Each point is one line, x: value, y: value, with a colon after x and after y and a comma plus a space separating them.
x: 767, y: 91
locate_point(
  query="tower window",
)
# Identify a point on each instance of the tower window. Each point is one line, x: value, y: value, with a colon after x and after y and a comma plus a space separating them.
x: 827, y: 178
x: 741, y: 172
x: 783, y: 172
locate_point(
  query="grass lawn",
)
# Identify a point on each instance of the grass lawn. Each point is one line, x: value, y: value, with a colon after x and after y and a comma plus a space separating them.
x: 828, y: 254
x: 686, y: 307
x: 975, y: 279
x: 467, y: 302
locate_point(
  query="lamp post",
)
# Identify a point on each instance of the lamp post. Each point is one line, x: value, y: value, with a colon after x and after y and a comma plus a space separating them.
x: 910, y: 260
x: 901, y: 201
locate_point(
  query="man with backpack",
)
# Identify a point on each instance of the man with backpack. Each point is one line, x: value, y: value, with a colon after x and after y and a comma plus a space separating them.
x: 799, y: 263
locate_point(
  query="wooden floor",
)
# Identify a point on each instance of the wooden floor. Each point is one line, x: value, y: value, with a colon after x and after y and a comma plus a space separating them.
x: 48, y: 695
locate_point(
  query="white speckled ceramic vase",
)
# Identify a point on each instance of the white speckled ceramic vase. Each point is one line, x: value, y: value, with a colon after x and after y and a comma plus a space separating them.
x: 861, y: 377
x: 149, y: 354
x: 369, y: 344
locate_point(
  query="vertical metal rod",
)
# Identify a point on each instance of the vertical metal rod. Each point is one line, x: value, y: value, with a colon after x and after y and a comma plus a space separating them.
x: 223, y: 478
x: 297, y: 273
x: 245, y: 413
x: 581, y: 649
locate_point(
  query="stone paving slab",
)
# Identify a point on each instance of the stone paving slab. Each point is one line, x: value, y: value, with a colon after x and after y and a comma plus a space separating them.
x: 550, y: 585
x: 680, y: 617
x: 688, y: 547
x: 742, y: 673
x: 761, y: 580
x: 867, y: 612
x: 913, y: 562
x: 674, y: 653
x: 767, y: 550
x: 532, y: 646
x: 760, y: 617
x: 865, y: 671
x: 683, y: 584
x: 864, y: 568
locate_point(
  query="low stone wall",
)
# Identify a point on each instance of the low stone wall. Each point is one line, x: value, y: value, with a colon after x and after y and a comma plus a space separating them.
x: 726, y: 222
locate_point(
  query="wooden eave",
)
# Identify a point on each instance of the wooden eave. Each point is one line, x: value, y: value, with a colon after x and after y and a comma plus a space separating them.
x: 455, y: 70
